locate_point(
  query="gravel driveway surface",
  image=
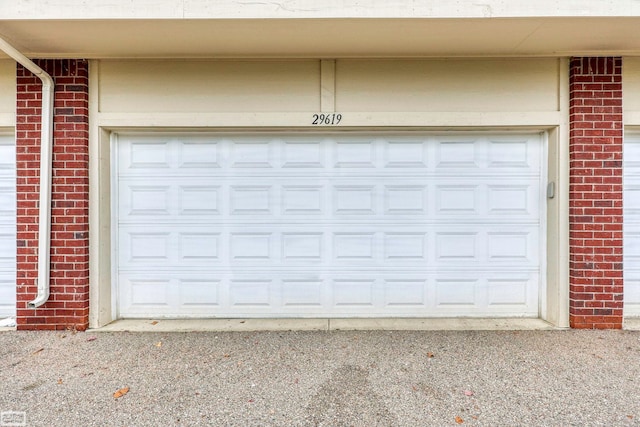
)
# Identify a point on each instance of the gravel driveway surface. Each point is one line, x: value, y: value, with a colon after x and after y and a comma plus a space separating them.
x: 362, y: 378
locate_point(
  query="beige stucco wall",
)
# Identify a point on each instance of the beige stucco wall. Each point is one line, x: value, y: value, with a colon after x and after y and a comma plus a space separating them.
x: 516, y: 85
x: 631, y: 87
x: 209, y: 86
x: 447, y: 85
x: 7, y: 93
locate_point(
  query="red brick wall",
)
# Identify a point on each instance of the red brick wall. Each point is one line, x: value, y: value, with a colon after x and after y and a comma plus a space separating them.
x: 595, y: 193
x: 68, y: 305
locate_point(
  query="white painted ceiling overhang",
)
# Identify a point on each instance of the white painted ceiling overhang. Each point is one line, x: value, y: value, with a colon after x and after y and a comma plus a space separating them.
x: 324, y: 37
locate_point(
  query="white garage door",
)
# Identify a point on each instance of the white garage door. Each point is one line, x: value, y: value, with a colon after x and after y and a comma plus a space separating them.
x: 316, y: 225
x: 7, y: 226
x: 631, y: 205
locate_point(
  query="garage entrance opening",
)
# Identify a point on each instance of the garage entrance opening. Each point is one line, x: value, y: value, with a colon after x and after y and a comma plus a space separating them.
x: 376, y: 224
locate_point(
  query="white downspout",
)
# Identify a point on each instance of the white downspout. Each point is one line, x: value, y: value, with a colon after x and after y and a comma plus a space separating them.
x: 46, y: 145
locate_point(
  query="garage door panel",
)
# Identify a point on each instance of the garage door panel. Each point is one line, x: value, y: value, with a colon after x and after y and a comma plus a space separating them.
x: 631, y: 204
x: 632, y: 198
x: 7, y: 227
x: 7, y: 156
x: 7, y: 248
x: 512, y: 154
x: 632, y: 247
x: 307, y: 295
x: 179, y: 199
x: 7, y: 200
x: 632, y: 268
x: 328, y: 225
x: 513, y: 248
x: 632, y: 293
x: 509, y: 293
x: 220, y: 245
x: 632, y: 155
x: 255, y: 155
x: 7, y: 293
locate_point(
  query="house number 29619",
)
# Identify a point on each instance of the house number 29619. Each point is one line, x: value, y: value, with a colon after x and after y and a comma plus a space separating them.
x: 326, y: 119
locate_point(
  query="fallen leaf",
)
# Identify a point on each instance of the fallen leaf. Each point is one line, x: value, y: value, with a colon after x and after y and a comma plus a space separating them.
x: 38, y: 350
x: 459, y: 420
x: 118, y: 394
x: 59, y: 380
x: 468, y: 393
x: 430, y: 355
x: 414, y: 388
x: 92, y: 338
x: 158, y: 344
x: 155, y: 322
x: 630, y: 417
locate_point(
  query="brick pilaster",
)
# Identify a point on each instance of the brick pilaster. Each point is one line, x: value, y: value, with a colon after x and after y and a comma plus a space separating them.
x: 595, y: 193
x: 68, y: 305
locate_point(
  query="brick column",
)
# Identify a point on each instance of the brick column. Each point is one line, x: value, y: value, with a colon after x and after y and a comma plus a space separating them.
x: 68, y: 305
x: 595, y: 193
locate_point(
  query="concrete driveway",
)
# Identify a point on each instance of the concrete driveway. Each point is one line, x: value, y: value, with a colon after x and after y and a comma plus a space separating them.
x: 360, y: 378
